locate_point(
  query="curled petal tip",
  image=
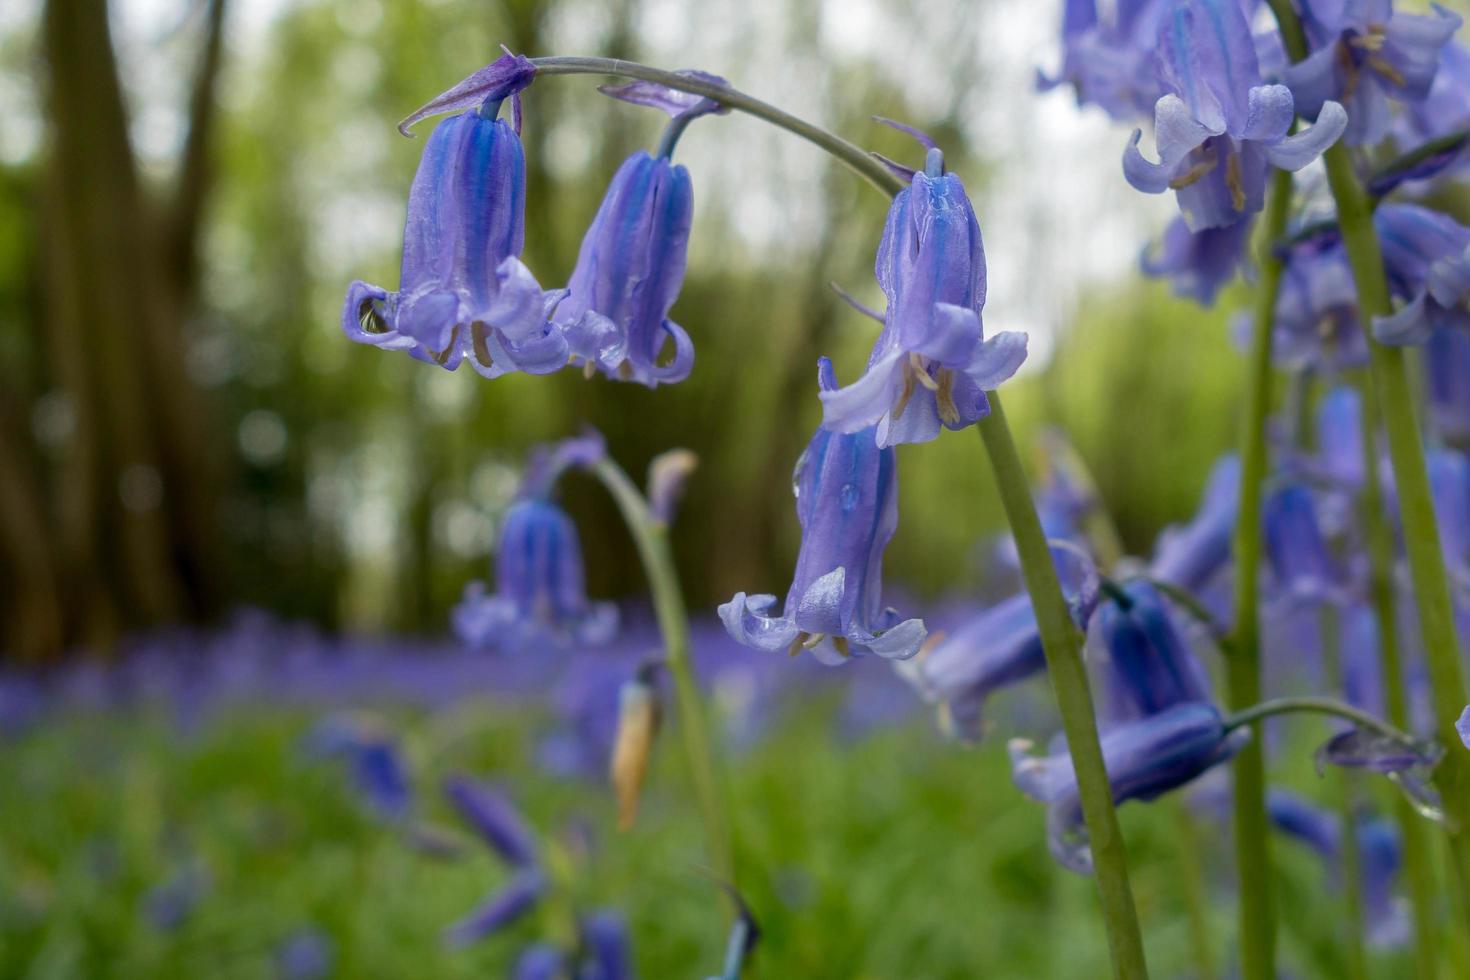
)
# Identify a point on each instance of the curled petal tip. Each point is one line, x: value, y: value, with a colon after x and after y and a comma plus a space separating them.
x: 923, y: 138
x: 505, y: 76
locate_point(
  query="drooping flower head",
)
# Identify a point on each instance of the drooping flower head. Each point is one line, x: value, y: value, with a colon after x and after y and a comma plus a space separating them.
x: 995, y: 648
x: 1190, y: 555
x: 931, y: 365
x: 463, y: 291
x: 377, y: 767
x: 1110, y: 63
x: 1364, y: 56
x: 540, y: 582
x: 1153, y: 666
x: 495, y: 820
x: 1316, y: 322
x: 847, y: 502
x: 1303, y: 569
x: 1145, y: 758
x: 1447, y: 384
x: 1339, y: 456
x: 632, y: 260
x: 1431, y: 131
x: 1426, y: 255
x: 1378, y: 850
x: 1219, y: 129
x: 1449, y: 486
x: 1198, y: 264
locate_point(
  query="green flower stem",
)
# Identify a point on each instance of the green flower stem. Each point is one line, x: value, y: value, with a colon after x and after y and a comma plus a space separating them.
x: 1352, y: 855
x: 1059, y: 635
x: 1406, y: 452
x: 1378, y: 536
x: 864, y: 164
x: 1243, y: 663
x: 1061, y: 641
x: 652, y: 540
x: 1416, y: 505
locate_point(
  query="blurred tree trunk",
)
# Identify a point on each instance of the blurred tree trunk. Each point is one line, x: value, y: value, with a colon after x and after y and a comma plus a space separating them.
x: 135, y: 487
x: 35, y: 620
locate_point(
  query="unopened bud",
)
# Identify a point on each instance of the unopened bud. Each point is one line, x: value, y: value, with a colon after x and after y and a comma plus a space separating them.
x: 667, y: 476
x: 638, y: 721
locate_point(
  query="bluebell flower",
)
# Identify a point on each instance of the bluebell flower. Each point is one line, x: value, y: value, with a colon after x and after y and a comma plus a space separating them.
x: 1441, y: 116
x: 492, y: 817
x: 1382, y: 857
x: 1444, y: 110
x: 1152, y: 664
x: 463, y: 290
x: 1364, y: 56
x: 628, y: 274
x: 847, y: 502
x: 1426, y: 255
x: 1339, y: 455
x: 1316, y: 323
x: 540, y: 582
x: 1189, y: 556
x: 1407, y: 764
x: 1302, y: 568
x: 1219, y: 129
x: 306, y: 954
x: 1110, y: 63
x: 497, y: 822
x: 1449, y: 486
x: 631, y: 264
x: 1447, y: 384
x: 539, y: 961
x: 1145, y: 758
x: 504, y: 907
x: 1379, y: 852
x: 606, y: 955
x: 995, y: 648
x: 378, y: 770
x: 931, y: 364
x: 169, y: 904
x: 1198, y: 264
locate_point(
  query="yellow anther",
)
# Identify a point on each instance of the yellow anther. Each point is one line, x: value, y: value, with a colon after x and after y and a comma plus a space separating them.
x: 920, y: 369
x: 949, y: 412
x: 1385, y: 69
x: 1193, y: 174
x: 1234, y: 182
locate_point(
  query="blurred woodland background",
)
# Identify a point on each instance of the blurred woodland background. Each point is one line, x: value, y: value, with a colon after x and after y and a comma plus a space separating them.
x: 187, y: 187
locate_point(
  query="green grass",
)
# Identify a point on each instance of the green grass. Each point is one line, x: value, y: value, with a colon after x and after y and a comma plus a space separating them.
x: 895, y: 856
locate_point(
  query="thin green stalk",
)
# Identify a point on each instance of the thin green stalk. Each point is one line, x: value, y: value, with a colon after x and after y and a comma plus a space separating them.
x: 1352, y: 856
x: 1331, y: 707
x: 861, y: 162
x: 1416, y: 505
x: 1061, y: 642
x: 1432, y: 596
x: 1196, y: 894
x: 652, y: 540
x: 1243, y: 663
x: 1379, y: 539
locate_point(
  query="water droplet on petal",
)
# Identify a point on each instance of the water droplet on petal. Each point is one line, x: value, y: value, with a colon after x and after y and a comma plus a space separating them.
x: 796, y: 473
x: 1422, y: 796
